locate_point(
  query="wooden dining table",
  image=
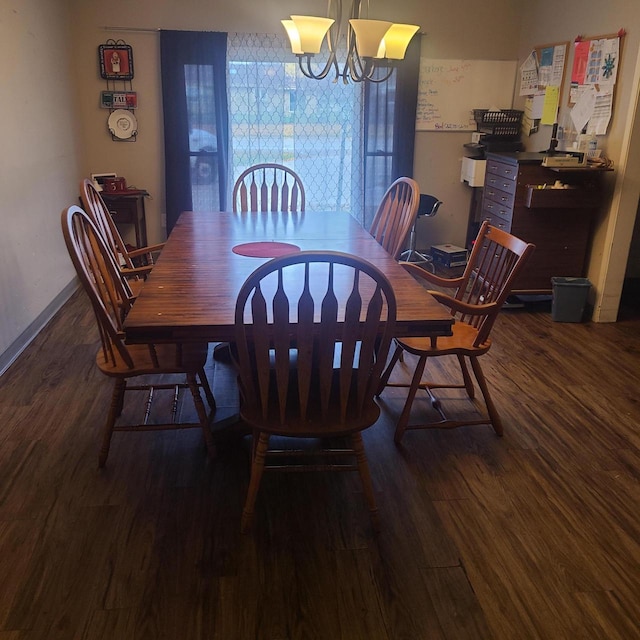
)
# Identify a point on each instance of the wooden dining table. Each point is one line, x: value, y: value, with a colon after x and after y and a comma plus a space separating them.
x: 190, y: 294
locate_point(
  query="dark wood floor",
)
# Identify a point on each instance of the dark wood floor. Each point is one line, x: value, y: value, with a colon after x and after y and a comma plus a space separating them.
x: 533, y: 535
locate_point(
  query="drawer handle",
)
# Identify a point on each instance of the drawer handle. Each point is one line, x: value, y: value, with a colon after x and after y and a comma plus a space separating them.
x: 504, y: 212
x: 492, y: 180
x: 507, y: 171
x: 489, y: 205
x: 493, y: 167
x: 504, y: 199
x: 505, y: 185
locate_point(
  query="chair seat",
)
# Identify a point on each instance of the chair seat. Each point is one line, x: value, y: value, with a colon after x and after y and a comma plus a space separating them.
x: 461, y: 342
x: 135, y: 284
x: 171, y: 358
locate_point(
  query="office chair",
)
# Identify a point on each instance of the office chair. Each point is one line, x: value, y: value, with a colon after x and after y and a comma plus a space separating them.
x: 428, y: 207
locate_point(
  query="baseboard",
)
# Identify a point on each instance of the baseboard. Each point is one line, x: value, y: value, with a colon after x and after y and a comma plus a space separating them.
x: 8, y: 357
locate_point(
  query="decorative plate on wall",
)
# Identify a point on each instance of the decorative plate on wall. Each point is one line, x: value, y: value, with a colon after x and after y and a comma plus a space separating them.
x: 122, y: 124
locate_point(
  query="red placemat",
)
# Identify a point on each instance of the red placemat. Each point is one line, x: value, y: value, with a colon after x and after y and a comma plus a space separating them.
x: 265, y: 249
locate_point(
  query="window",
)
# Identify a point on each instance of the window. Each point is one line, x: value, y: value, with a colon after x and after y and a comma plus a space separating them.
x: 234, y: 100
x: 278, y: 115
x: 203, y: 140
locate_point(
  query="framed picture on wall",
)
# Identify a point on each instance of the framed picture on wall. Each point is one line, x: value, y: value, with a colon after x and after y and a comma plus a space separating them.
x: 116, y: 61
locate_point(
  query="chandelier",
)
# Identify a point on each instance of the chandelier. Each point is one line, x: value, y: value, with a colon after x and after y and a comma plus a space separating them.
x: 371, y: 44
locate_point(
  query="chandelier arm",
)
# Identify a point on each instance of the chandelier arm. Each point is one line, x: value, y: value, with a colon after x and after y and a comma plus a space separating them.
x: 310, y: 73
x: 386, y: 76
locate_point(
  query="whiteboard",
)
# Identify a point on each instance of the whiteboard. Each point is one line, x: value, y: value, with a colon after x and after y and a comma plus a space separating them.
x: 449, y: 91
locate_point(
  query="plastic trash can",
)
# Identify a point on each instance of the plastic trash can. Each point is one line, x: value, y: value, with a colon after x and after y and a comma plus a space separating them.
x: 569, y: 299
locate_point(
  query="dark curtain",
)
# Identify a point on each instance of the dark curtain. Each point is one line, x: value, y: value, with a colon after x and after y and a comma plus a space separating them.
x: 187, y: 59
x: 389, y: 129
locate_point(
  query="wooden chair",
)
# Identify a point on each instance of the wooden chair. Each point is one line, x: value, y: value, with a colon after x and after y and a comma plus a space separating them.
x: 127, y: 260
x: 268, y: 187
x: 313, y: 331
x: 396, y: 215
x: 111, y: 299
x: 496, y: 260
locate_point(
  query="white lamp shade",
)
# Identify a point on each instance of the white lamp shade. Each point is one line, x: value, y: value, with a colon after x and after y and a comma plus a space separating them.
x: 311, y: 32
x: 369, y: 34
x: 294, y: 36
x: 396, y: 40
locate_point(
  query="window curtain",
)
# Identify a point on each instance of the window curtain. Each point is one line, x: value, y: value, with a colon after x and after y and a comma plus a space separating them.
x: 390, y: 128
x: 194, y: 95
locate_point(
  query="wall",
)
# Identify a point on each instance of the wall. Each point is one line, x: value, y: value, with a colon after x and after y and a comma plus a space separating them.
x: 53, y: 137
x: 451, y: 31
x: 38, y: 167
x: 614, y: 226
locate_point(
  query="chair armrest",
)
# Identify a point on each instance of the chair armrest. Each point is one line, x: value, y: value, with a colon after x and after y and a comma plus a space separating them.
x: 127, y: 272
x: 463, y: 307
x: 153, y: 248
x: 415, y: 270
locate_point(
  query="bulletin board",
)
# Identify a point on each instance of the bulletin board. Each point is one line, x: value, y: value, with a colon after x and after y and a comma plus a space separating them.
x: 449, y: 91
x: 596, y: 63
x: 596, y: 60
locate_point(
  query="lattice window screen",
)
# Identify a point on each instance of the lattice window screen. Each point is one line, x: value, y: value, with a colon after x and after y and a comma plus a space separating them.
x: 278, y: 115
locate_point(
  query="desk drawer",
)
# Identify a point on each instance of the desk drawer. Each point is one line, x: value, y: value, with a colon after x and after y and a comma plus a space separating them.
x: 497, y: 181
x: 502, y: 198
x: 493, y: 209
x: 502, y: 169
x: 124, y: 211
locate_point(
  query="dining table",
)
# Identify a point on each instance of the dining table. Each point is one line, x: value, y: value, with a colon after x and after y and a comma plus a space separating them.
x: 190, y: 294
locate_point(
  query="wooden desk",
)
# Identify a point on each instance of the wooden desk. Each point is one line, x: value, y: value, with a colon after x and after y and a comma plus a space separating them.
x: 128, y: 208
x: 557, y: 221
x: 191, y: 292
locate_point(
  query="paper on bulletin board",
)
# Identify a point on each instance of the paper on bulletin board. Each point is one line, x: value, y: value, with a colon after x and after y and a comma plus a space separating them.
x: 552, y: 65
x: 602, y: 110
x: 550, y: 107
x: 583, y: 109
x: 529, y: 75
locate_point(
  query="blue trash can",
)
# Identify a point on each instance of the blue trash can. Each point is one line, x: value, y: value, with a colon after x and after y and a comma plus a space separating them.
x: 569, y: 299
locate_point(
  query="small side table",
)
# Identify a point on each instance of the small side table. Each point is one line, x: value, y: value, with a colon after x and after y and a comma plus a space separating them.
x: 128, y: 208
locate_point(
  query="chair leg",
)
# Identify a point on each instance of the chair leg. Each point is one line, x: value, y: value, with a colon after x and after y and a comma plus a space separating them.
x: 468, y: 382
x: 202, y: 414
x: 365, y: 477
x: 496, y: 422
x: 115, y: 409
x: 384, y: 379
x: 403, y: 421
x: 257, y: 469
x: 207, y: 389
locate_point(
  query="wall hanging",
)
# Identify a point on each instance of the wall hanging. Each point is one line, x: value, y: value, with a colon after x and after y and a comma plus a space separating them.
x: 115, y: 58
